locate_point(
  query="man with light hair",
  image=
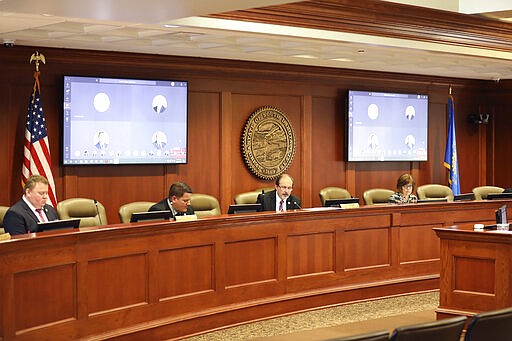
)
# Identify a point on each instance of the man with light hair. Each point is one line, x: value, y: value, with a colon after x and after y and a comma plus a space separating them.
x: 23, y: 216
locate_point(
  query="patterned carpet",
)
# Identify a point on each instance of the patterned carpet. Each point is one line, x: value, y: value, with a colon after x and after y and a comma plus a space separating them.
x: 350, y: 319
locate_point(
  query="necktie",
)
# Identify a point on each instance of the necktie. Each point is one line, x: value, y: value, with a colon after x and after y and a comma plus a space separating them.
x: 281, y: 207
x: 41, y: 216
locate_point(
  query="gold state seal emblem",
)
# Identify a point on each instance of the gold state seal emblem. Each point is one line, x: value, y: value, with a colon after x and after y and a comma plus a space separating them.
x: 268, y: 143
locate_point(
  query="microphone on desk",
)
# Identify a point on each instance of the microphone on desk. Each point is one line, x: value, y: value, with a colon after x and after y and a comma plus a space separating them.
x: 296, y: 206
x: 97, y: 210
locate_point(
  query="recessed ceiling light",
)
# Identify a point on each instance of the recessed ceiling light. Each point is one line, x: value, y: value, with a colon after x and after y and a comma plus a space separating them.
x: 307, y: 56
x: 342, y: 59
x: 170, y: 26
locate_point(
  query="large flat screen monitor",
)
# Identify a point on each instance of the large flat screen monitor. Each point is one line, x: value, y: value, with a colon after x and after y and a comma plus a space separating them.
x: 58, y: 224
x: 339, y: 202
x: 383, y: 126
x: 109, y: 121
x: 499, y: 196
x: 244, y: 208
x: 464, y: 197
x: 151, y: 215
x: 501, y: 215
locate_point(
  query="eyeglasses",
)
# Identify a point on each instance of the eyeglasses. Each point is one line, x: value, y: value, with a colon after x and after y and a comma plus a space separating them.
x: 283, y: 188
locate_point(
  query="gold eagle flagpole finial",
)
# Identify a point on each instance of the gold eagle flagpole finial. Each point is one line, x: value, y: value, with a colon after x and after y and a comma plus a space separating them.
x: 37, y: 57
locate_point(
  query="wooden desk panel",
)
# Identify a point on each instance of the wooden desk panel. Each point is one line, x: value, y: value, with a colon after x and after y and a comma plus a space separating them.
x: 165, y: 279
x: 476, y: 270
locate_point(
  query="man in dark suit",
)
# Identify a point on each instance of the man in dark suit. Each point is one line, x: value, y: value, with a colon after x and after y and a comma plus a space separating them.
x: 178, y: 201
x: 23, y: 216
x: 281, y: 198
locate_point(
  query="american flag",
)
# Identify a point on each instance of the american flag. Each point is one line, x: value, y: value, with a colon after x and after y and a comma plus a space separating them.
x: 36, y: 151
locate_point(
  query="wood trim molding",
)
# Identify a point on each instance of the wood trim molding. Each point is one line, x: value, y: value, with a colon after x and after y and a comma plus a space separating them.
x: 384, y: 19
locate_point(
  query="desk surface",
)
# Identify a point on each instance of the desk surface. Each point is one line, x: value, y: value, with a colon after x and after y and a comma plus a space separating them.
x: 172, y: 279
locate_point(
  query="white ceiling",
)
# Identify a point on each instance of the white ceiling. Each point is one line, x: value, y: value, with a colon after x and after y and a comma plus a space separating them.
x: 138, y: 26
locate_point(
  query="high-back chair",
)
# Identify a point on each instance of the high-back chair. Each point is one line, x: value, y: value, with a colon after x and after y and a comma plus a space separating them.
x: 252, y: 196
x: 327, y: 193
x: 89, y: 213
x: 374, y: 336
x: 495, y: 325
x: 434, y: 191
x: 377, y: 196
x: 3, y: 209
x: 125, y: 211
x: 204, y: 205
x: 481, y: 192
x: 247, y: 197
x: 449, y: 329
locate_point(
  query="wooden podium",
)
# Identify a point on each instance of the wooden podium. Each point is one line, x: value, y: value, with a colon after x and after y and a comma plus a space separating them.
x: 476, y: 270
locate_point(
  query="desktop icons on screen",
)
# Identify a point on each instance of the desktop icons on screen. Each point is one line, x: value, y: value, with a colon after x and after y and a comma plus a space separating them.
x: 110, y: 121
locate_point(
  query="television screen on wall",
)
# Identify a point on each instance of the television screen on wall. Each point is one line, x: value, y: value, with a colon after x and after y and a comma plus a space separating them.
x: 109, y: 121
x: 383, y: 126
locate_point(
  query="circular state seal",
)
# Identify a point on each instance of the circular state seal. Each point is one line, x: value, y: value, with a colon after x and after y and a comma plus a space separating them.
x: 268, y: 143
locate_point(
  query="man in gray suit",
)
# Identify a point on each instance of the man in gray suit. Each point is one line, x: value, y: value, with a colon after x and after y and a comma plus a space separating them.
x: 23, y: 216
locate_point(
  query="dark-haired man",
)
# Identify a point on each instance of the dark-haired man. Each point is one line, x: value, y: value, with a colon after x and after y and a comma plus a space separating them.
x: 280, y: 199
x: 178, y: 201
x: 23, y: 216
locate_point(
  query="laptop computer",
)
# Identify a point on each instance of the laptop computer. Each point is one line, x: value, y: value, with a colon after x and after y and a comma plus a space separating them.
x: 58, y: 224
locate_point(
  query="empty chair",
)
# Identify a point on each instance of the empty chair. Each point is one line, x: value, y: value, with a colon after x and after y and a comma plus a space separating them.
x: 377, y: 196
x: 126, y: 210
x: 449, y: 329
x: 333, y: 193
x: 204, y: 205
x: 252, y: 196
x: 89, y: 213
x: 247, y: 197
x: 434, y: 191
x: 493, y: 325
x: 482, y: 191
x: 375, y: 336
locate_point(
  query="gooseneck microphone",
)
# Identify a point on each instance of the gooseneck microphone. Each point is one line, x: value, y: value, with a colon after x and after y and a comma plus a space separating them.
x: 295, y: 205
x: 97, y: 210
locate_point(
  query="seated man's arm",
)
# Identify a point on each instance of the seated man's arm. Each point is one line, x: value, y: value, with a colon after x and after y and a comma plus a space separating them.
x: 14, y: 223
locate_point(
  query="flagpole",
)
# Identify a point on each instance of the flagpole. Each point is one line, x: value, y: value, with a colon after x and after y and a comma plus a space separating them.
x: 36, y: 147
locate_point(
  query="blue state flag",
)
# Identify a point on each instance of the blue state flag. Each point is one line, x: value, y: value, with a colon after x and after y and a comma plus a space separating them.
x: 450, y: 156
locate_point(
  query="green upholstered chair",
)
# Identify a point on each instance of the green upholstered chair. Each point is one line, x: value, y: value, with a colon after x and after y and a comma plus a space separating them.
x: 434, y: 191
x: 125, y: 211
x: 377, y: 196
x: 333, y: 193
x: 204, y: 205
x: 85, y: 209
x: 481, y: 192
x: 3, y: 209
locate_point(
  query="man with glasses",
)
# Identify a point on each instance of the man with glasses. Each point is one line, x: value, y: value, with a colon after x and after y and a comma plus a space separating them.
x: 281, y: 199
x: 178, y: 201
x: 23, y: 216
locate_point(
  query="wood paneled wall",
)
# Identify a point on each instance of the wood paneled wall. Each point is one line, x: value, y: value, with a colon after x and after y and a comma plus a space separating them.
x: 222, y: 95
